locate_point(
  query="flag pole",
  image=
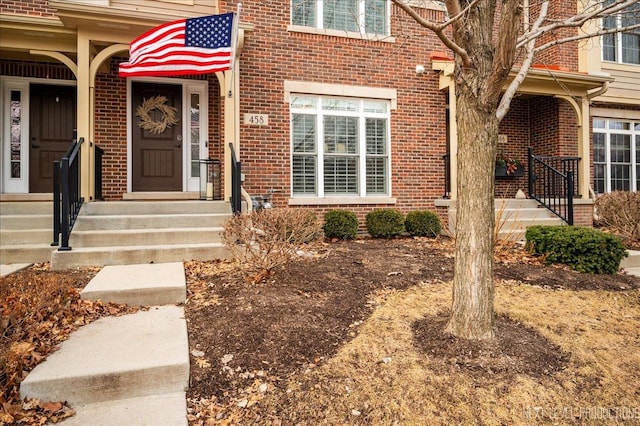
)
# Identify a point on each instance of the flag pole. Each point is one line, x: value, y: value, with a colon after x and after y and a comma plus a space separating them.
x: 234, y: 43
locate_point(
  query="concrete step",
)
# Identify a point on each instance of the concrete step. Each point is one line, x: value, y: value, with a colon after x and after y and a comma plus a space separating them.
x: 635, y: 271
x: 26, y: 208
x: 167, y: 409
x: 26, y: 253
x: 116, y: 358
x: 137, y: 237
x: 39, y: 221
x: 149, y: 221
x: 25, y: 236
x: 126, y: 255
x: 632, y: 261
x: 157, y: 284
x: 101, y: 208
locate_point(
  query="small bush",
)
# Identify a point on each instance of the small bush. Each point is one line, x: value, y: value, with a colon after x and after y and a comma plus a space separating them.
x: 268, y: 238
x: 341, y: 224
x: 422, y: 223
x: 620, y: 211
x: 385, y: 223
x: 584, y: 249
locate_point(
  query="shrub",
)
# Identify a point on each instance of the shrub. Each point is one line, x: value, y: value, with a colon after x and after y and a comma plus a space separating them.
x: 341, y: 224
x: 422, y: 223
x: 268, y: 238
x: 620, y: 211
x: 385, y: 223
x: 584, y: 249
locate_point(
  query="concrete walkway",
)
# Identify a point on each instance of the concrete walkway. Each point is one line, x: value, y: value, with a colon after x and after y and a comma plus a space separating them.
x: 126, y: 370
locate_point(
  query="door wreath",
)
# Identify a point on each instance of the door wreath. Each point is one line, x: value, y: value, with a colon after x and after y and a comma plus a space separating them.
x: 159, y: 103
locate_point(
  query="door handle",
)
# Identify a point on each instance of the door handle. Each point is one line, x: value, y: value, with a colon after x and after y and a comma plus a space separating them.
x: 34, y: 146
x: 178, y: 145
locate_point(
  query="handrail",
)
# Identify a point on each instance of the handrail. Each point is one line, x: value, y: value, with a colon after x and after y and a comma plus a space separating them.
x: 236, y: 182
x: 552, y: 188
x: 66, y: 194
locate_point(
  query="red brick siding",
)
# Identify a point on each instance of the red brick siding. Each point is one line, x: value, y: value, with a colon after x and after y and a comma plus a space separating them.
x: 565, y: 54
x: 27, y: 7
x: 418, y: 127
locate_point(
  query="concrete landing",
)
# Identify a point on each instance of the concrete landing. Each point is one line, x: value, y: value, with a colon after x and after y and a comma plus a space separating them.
x: 115, y: 358
x: 149, y: 284
x: 165, y: 409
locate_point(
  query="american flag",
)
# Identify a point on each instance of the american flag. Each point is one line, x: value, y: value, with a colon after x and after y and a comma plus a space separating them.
x: 183, y: 47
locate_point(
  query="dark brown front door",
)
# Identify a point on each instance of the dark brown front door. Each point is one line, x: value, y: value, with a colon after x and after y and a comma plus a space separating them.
x: 52, y: 118
x: 157, y: 137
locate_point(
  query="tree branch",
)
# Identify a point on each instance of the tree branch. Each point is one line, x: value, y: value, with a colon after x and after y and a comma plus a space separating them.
x: 508, y: 94
x: 438, y: 29
x: 585, y: 36
x: 576, y: 20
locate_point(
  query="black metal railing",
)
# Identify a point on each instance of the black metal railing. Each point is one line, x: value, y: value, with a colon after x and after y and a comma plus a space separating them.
x: 236, y: 182
x: 98, y: 176
x: 447, y: 176
x: 552, y: 183
x: 66, y: 194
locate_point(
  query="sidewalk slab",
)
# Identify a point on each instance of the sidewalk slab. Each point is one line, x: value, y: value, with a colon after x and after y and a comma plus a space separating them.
x: 134, y: 355
x: 633, y: 271
x: 150, y: 284
x: 13, y: 267
x: 168, y: 409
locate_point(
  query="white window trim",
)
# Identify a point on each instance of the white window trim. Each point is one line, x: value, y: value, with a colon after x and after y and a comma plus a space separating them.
x: 362, y: 197
x: 634, y: 155
x: 350, y: 34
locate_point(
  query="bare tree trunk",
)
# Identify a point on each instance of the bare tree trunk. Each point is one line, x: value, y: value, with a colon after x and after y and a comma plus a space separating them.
x: 472, y: 313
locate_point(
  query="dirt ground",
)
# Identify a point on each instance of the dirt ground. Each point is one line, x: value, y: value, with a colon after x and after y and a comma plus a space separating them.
x: 247, y: 337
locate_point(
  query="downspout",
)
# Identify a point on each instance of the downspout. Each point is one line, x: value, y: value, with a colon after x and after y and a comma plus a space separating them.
x: 598, y: 92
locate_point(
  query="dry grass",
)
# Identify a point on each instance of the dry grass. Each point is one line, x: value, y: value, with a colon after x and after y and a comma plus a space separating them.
x: 381, y: 378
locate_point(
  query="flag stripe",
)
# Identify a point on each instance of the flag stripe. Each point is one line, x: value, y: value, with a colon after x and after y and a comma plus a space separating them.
x: 163, y: 51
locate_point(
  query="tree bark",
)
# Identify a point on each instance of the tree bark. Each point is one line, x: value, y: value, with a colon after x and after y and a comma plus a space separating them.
x: 472, y: 313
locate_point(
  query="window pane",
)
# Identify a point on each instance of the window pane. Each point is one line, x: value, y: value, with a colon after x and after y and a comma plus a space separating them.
x: 619, y: 125
x: 620, y: 148
x: 620, y: 177
x: 375, y: 16
x: 630, y: 48
x: 609, y: 47
x: 341, y: 15
x: 379, y: 107
x: 598, y: 123
x: 599, y: 178
x: 15, y: 123
x: 340, y: 105
x: 376, y: 136
x: 301, y: 102
x: 376, y: 175
x: 599, y: 148
x: 304, y: 174
x: 304, y: 133
x: 303, y: 12
x: 340, y: 135
x: 341, y: 175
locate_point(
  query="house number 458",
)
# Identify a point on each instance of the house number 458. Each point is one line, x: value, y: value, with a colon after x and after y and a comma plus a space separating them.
x: 256, y: 119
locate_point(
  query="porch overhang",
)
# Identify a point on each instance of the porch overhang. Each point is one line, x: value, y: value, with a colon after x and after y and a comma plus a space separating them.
x: 575, y: 88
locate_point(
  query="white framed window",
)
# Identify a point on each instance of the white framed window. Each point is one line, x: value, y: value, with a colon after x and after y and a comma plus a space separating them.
x: 622, y: 47
x: 354, y: 16
x: 339, y: 146
x: 616, y: 155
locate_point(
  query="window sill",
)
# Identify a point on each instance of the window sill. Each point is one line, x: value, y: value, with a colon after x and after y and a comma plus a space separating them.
x: 325, y: 201
x: 339, y: 33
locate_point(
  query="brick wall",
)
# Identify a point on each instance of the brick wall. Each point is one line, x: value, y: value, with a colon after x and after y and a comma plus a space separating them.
x: 418, y: 127
x: 39, y: 8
